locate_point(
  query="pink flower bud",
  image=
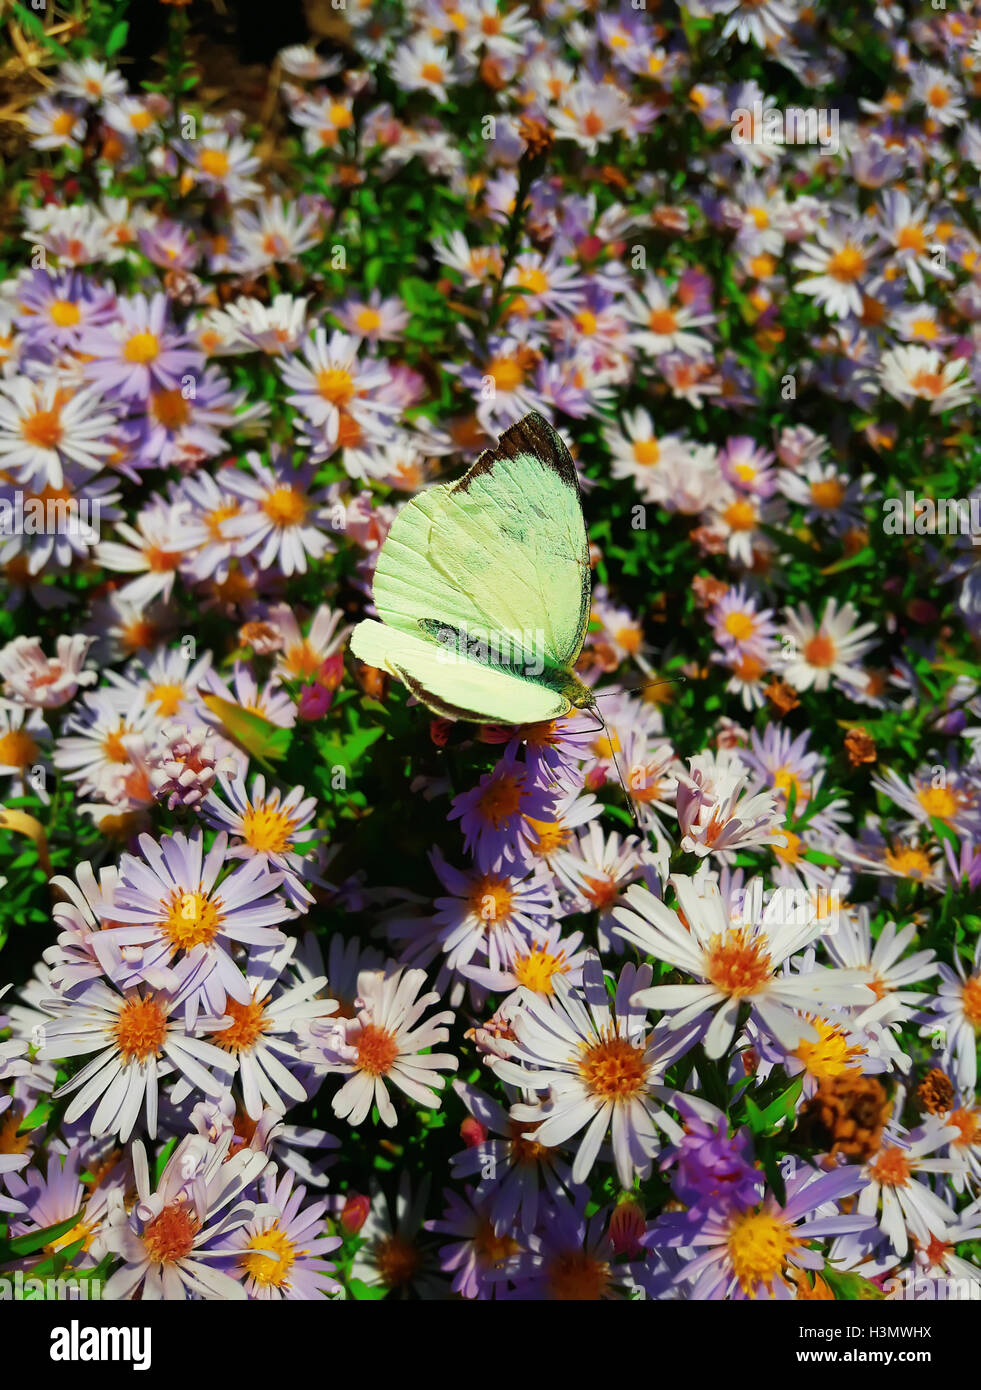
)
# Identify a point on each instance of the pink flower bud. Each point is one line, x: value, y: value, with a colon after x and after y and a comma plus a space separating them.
x: 472, y: 1132
x: 315, y: 701
x: 354, y: 1213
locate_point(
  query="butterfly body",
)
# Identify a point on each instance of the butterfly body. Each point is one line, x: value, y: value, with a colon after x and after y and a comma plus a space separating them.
x: 483, y: 587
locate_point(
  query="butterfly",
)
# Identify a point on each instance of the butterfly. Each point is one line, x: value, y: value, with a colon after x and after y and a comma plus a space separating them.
x: 483, y: 587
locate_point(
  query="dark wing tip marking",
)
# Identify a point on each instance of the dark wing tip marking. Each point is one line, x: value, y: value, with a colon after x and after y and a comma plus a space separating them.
x: 531, y: 435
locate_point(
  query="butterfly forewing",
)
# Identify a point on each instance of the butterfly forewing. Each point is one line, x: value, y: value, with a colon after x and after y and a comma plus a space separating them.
x: 496, y: 565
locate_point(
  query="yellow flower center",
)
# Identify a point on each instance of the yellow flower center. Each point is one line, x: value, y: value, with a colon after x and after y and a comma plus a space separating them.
x: 285, y: 506
x: 507, y: 373
x: 271, y: 1255
x: 65, y: 313
x: 646, y: 452
x: 551, y: 835
x: 142, y: 348
x: 167, y: 698
x: 829, y: 1054
x: 759, y: 1243
x: 268, y: 829
x: 740, y: 626
x: 908, y: 861
x: 847, y: 265
x: 335, y: 385
x: 215, y: 162
x: 368, y: 320
x: 740, y: 515
x: 536, y: 970
x: 190, y: 919
x: 939, y: 802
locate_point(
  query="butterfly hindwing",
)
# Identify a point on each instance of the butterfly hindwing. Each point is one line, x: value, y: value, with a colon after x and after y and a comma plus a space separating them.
x: 451, y: 684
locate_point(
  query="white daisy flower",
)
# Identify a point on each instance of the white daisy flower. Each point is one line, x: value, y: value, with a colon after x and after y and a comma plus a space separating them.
x: 386, y: 1042
x: 602, y: 1069
x: 735, y: 963
x: 139, y: 1038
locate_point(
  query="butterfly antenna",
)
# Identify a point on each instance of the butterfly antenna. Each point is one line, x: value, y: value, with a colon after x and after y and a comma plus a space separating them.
x: 630, y: 689
x: 613, y: 754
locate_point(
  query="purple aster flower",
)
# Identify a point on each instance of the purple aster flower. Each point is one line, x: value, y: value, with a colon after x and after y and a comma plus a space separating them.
x: 280, y: 1251
x: 712, y: 1168
x: 139, y: 351
x: 476, y: 1251
x: 752, y: 1252
x: 56, y: 309
x: 175, y: 901
x: 570, y: 1258
x: 493, y: 814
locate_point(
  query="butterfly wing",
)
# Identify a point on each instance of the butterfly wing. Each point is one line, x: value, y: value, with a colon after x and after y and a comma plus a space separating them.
x: 501, y: 552
x: 453, y: 685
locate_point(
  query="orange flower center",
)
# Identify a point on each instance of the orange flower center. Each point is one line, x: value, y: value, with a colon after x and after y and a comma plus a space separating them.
x: 663, y: 322
x: 248, y: 1023
x: 377, y: 1050
x: 820, y: 651
x: 500, y: 799
x: 972, y: 1001
x: 43, y: 429
x: 17, y: 749
x: 215, y: 162
x: 141, y: 1029
x: 170, y: 1236
x: 491, y: 899
x: 737, y: 964
x: 396, y: 1261
x: 578, y: 1277
x: 613, y: 1068
x: 170, y: 409
x: 892, y: 1168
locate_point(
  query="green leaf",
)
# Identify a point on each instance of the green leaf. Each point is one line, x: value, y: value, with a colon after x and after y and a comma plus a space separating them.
x: 777, y: 1112
x: 37, y: 1240
x: 117, y: 37
x: 261, y: 739
x: 850, y: 1288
